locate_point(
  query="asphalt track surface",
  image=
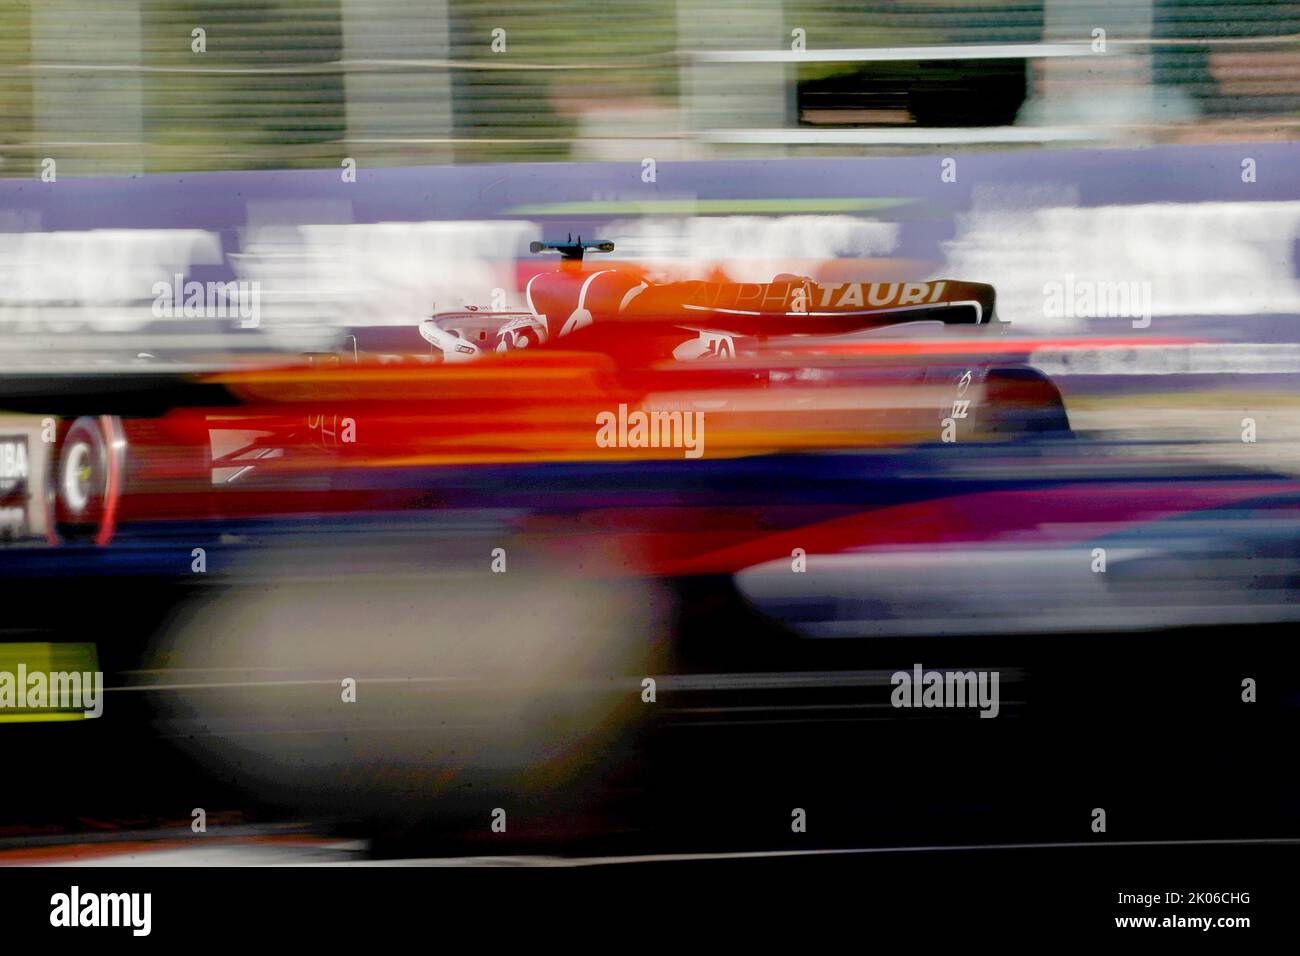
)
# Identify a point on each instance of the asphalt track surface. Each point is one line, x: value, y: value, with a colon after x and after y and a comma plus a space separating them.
x: 679, y: 814
x: 748, y: 724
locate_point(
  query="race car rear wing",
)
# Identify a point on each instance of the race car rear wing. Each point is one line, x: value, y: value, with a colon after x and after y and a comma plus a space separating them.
x: 786, y: 307
x: 789, y: 304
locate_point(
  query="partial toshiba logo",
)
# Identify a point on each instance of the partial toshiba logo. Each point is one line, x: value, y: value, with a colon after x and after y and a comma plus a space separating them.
x: 14, y: 472
x: 13, y: 466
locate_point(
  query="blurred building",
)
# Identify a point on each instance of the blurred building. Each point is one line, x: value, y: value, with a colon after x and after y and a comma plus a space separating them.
x: 124, y: 86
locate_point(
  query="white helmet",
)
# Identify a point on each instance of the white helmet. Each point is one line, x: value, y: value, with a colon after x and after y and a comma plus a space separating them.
x: 466, y: 334
x: 520, y: 332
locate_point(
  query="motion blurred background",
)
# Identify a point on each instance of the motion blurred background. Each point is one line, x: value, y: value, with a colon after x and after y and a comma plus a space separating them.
x: 366, y: 162
x: 114, y: 86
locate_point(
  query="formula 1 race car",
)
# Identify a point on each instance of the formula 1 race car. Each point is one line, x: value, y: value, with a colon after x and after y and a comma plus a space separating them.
x: 761, y: 329
x: 776, y: 367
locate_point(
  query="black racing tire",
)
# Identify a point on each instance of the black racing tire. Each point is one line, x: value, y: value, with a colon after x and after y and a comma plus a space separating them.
x: 1020, y: 403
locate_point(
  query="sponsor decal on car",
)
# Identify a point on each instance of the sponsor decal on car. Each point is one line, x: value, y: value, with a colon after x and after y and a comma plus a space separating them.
x: 14, y: 473
x: 13, y: 465
x: 802, y: 297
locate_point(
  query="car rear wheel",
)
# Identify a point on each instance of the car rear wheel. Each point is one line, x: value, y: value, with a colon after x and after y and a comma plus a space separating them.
x: 88, y: 480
